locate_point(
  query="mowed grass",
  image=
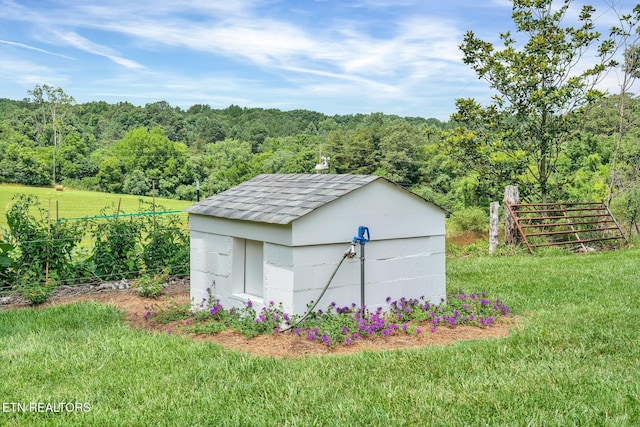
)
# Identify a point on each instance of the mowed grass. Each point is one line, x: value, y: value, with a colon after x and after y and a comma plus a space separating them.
x: 78, y: 204
x: 573, y: 359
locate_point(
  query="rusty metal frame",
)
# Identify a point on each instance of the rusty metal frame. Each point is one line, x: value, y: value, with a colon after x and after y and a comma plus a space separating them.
x: 546, y: 220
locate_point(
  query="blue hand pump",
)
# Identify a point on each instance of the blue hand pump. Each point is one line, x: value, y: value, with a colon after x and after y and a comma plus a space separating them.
x: 363, y: 237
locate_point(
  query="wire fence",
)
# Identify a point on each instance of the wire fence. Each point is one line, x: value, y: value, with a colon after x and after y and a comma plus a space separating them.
x: 122, y: 215
x: 93, y: 249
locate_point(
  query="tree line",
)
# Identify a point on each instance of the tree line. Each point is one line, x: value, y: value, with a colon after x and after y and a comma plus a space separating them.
x: 122, y: 148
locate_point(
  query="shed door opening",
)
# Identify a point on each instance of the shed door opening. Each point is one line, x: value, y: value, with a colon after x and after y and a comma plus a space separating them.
x: 249, y: 267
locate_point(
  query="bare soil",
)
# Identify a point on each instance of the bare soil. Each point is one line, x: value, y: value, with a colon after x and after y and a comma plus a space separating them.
x: 285, y: 344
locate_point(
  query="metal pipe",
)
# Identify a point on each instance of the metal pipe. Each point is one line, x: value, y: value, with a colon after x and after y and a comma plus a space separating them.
x: 362, y: 275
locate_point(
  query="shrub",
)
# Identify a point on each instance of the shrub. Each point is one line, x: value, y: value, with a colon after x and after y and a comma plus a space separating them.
x: 115, y: 253
x: 6, y: 264
x: 43, y: 250
x: 35, y: 292
x: 469, y: 219
x: 166, y: 244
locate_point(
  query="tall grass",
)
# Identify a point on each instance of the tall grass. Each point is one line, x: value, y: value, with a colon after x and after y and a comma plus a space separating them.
x: 574, y: 359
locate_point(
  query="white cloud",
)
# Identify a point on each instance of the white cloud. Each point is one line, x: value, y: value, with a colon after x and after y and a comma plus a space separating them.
x: 25, y: 46
x: 27, y: 73
x: 344, y: 55
x: 79, y: 42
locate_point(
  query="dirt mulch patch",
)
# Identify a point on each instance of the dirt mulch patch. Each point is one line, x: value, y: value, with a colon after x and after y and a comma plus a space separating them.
x: 278, y: 345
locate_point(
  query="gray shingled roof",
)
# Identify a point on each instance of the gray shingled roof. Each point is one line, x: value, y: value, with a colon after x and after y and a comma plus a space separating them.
x: 279, y: 198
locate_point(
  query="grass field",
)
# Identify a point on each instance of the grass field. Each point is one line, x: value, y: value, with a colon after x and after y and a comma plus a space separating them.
x: 77, y: 203
x: 574, y: 359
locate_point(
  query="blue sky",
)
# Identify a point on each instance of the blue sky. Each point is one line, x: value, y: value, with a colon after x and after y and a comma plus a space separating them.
x: 336, y: 57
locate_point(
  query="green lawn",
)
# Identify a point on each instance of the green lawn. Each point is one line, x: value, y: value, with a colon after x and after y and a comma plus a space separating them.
x: 574, y: 359
x: 78, y: 203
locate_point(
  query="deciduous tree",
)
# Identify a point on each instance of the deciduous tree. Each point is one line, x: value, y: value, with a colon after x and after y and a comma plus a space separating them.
x: 54, y: 105
x: 540, y: 82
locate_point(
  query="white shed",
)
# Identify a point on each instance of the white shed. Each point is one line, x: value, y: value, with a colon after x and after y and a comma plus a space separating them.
x: 280, y: 237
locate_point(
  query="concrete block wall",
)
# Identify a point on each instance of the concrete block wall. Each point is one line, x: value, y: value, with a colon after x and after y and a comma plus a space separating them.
x: 210, y: 265
x: 409, y: 268
x: 278, y: 275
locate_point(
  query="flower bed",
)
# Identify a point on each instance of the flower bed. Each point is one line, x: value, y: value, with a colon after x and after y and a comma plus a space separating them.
x: 340, y: 325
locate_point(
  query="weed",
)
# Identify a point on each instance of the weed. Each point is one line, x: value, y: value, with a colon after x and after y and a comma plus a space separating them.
x: 35, y: 292
x: 174, y: 311
x: 151, y: 286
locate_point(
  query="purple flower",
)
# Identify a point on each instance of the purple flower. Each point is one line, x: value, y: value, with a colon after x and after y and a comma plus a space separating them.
x: 347, y: 341
x: 344, y: 330
x: 418, y: 331
x: 146, y: 315
x: 325, y: 339
x: 249, y: 303
x: 386, y: 332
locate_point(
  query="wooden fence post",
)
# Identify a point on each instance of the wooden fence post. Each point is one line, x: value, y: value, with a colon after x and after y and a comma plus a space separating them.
x: 493, y: 226
x: 511, y: 196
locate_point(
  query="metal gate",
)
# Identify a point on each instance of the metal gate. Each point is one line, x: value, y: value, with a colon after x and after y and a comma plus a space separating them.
x: 552, y: 224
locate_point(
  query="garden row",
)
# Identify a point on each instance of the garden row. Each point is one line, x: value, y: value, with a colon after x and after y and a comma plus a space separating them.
x: 38, y: 253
